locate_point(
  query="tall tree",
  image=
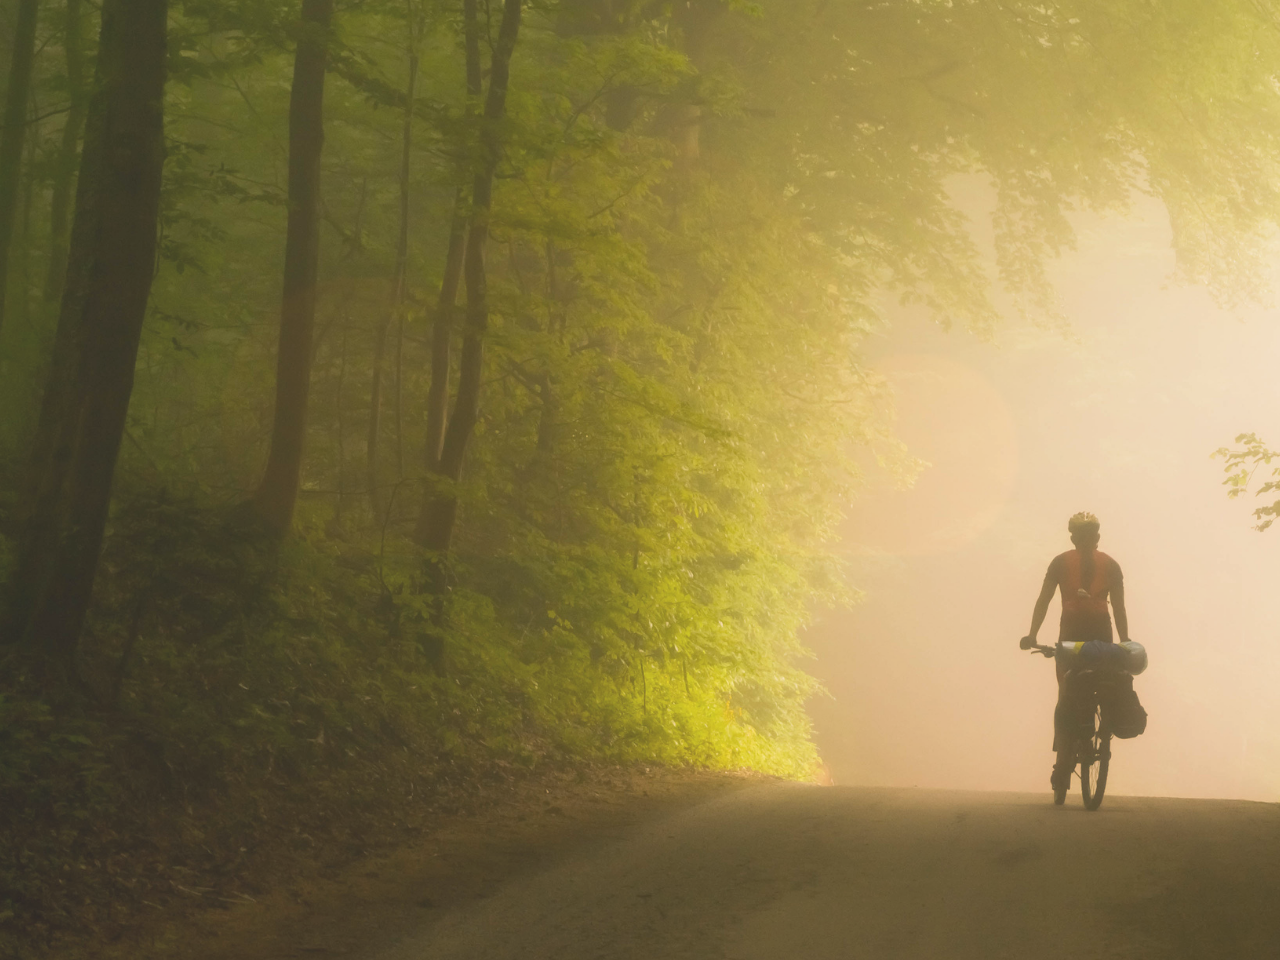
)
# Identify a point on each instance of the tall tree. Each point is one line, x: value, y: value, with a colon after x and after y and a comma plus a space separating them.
x: 109, y: 274
x: 441, y: 508
x: 13, y: 132
x: 441, y: 342
x: 398, y: 283
x: 277, y: 494
x: 65, y: 170
x: 446, y: 303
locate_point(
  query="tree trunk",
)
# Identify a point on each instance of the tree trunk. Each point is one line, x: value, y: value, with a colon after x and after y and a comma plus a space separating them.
x: 684, y: 118
x: 402, y: 242
x: 398, y: 401
x: 397, y: 294
x: 342, y: 439
x: 278, y: 492
x: 19, y: 291
x: 441, y: 336
x: 442, y: 325
x: 441, y: 513
x: 14, y: 130
x: 375, y: 421
x: 548, y: 416
x: 110, y: 267
x: 65, y: 171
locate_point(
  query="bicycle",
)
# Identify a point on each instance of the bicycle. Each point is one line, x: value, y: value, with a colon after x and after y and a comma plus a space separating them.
x: 1089, y: 749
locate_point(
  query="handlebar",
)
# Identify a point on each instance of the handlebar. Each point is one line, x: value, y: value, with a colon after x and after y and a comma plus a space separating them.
x: 1090, y: 660
x: 1026, y: 643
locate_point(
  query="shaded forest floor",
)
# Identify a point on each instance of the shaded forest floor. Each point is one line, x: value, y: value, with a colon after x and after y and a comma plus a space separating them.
x: 247, y: 720
x: 376, y: 877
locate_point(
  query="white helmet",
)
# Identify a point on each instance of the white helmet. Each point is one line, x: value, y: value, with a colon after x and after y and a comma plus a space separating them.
x: 1136, y: 656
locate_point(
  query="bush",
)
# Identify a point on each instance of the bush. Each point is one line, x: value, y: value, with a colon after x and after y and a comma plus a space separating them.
x: 235, y: 694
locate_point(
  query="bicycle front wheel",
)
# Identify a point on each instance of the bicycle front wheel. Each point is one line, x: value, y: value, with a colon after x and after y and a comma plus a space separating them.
x: 1095, y: 761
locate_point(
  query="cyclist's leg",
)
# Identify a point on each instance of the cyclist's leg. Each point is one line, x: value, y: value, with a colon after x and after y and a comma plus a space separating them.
x: 1063, y: 730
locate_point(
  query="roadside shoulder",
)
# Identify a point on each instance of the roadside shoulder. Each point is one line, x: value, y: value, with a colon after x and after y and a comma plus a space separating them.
x: 454, y: 859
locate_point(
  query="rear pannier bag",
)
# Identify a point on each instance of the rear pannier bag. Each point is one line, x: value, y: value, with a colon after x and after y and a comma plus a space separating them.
x: 1125, y: 715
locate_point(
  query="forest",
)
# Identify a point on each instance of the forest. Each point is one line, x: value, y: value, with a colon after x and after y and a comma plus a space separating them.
x: 397, y: 396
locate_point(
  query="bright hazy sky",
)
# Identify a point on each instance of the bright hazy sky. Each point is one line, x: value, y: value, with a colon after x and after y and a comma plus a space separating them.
x: 928, y: 686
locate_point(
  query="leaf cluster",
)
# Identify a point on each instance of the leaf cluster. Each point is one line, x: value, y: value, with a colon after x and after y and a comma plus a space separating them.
x: 1242, y: 464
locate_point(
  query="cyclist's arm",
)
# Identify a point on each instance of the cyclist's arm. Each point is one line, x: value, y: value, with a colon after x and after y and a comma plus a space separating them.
x: 1117, y: 604
x: 1042, y: 605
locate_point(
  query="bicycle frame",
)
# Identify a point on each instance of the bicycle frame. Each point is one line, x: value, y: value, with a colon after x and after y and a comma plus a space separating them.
x: 1088, y: 752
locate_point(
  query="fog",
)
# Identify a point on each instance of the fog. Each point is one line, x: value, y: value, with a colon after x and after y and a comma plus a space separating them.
x: 1119, y: 416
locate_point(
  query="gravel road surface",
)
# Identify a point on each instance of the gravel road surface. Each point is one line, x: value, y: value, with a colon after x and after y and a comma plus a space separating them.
x: 789, y: 871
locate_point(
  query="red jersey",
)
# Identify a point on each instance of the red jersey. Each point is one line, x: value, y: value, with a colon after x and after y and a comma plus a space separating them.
x: 1086, y: 580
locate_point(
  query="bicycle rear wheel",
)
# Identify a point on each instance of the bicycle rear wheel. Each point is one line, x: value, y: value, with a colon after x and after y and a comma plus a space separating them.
x: 1095, y: 761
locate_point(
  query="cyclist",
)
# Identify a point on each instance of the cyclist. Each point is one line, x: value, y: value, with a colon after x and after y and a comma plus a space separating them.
x: 1086, y: 577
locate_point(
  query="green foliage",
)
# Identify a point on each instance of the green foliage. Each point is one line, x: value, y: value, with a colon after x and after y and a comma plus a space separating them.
x: 1242, y: 463
x: 223, y: 679
x: 697, y: 210
x: 658, y: 468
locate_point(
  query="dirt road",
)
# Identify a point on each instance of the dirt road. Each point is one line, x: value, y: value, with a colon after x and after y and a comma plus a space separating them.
x: 787, y: 871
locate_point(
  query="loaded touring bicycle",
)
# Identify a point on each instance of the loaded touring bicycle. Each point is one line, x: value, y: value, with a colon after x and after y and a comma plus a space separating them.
x: 1097, y: 703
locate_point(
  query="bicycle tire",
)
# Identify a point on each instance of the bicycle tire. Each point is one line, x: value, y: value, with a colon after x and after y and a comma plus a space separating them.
x: 1095, y: 763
